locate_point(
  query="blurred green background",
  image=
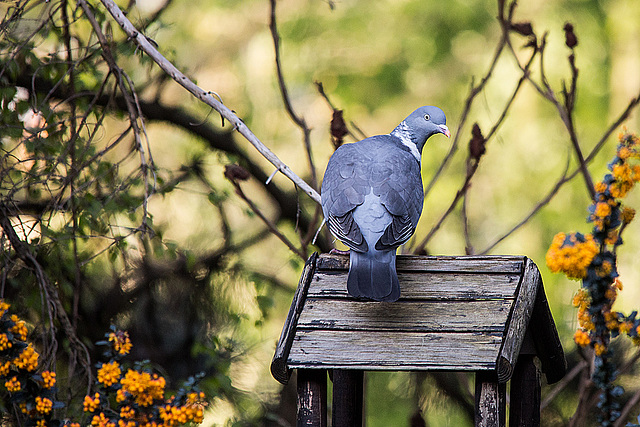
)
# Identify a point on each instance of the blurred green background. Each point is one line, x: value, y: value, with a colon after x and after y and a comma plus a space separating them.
x: 378, y: 61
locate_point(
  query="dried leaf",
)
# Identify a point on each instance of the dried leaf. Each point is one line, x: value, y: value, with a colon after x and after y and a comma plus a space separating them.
x: 236, y: 173
x: 338, y: 128
x: 477, y: 144
x: 523, y: 28
x: 570, y: 38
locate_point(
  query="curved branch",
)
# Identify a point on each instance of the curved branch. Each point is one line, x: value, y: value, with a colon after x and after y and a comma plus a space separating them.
x: 206, y: 97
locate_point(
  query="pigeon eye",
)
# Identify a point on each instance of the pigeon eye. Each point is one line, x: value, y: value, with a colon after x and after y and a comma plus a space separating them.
x: 427, y: 117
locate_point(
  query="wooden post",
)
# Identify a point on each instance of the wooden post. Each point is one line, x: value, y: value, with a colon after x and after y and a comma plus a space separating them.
x: 312, y: 398
x: 525, y: 393
x: 347, y: 398
x: 490, y: 401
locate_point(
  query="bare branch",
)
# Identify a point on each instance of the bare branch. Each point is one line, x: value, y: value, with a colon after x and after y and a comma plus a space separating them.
x: 564, y: 110
x: 624, y: 414
x: 323, y: 94
x: 51, y: 299
x: 473, y: 92
x: 298, y: 120
x: 461, y: 192
x: 204, y: 96
x: 272, y: 228
x: 133, y: 108
x: 472, y: 166
x: 542, y: 203
x: 557, y: 388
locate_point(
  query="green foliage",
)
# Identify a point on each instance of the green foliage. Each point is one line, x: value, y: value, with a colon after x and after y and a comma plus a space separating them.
x: 81, y: 248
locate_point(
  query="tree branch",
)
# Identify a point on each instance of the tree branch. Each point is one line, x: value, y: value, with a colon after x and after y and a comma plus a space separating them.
x: 177, y: 116
x: 298, y: 120
x: 204, y: 96
x: 272, y: 228
x: 53, y: 304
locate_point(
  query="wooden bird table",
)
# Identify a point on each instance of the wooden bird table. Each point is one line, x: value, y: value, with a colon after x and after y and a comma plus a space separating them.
x: 483, y: 314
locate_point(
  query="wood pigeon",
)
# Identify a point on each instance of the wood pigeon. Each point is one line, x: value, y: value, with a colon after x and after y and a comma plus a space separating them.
x: 372, y: 199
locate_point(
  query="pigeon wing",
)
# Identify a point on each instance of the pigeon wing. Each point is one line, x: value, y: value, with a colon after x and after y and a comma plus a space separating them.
x: 402, y: 195
x: 344, y: 188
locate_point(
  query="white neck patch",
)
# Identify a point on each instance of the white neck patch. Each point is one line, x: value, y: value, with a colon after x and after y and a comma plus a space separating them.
x: 402, y: 132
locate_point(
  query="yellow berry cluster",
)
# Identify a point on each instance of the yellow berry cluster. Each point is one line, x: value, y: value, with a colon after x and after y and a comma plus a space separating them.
x: 28, y: 359
x: 13, y: 385
x: 4, y: 342
x: 592, y: 258
x: 176, y: 415
x: 48, y: 379
x: 32, y: 393
x: 143, y: 387
x: 109, y: 373
x: 43, y: 405
x: 90, y: 404
x: 139, y: 395
x: 571, y: 254
x: 121, y: 342
x: 19, y: 327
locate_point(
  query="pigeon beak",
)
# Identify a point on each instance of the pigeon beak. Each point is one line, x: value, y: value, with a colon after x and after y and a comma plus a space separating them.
x: 445, y: 130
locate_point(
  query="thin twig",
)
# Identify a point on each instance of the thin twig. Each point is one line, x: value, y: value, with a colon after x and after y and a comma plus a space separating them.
x: 565, y: 178
x: 205, y: 97
x: 468, y: 247
x: 565, y: 111
x: 323, y: 94
x: 542, y: 203
x: 133, y: 108
x: 54, y: 305
x: 624, y: 414
x: 272, y: 228
x: 461, y: 192
x: 562, y: 384
x: 298, y: 120
x: 473, y: 92
x: 473, y: 166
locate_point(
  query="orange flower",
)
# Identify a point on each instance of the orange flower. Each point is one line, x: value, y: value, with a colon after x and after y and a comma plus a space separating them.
x: 581, y: 338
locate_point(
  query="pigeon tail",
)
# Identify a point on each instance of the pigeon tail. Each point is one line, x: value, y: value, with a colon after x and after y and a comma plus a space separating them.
x: 373, y: 275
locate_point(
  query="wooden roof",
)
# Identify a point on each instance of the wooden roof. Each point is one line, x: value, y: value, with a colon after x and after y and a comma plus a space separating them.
x: 455, y: 313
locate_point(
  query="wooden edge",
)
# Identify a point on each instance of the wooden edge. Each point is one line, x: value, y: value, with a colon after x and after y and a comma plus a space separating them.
x: 546, y: 340
x: 518, y: 321
x: 499, y: 264
x: 279, y: 368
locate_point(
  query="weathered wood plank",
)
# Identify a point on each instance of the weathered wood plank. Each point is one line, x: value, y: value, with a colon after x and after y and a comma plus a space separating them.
x: 279, y: 368
x: 312, y: 398
x: 450, y: 264
x: 394, y: 350
x: 420, y: 316
x: 435, y: 286
x: 518, y: 321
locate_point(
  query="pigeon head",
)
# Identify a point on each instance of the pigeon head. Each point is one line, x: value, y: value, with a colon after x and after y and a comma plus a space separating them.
x: 422, y: 124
